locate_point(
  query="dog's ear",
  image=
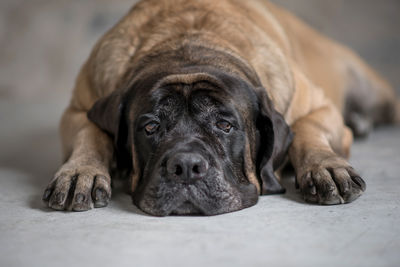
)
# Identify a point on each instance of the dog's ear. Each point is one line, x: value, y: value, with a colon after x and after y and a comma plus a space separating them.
x: 274, y: 138
x: 108, y: 113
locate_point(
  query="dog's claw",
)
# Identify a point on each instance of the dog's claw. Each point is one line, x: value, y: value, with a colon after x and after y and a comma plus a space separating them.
x: 46, y: 195
x: 101, y: 198
x: 79, y: 198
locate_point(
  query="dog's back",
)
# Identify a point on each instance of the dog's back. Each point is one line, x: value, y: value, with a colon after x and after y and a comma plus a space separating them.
x: 364, y: 98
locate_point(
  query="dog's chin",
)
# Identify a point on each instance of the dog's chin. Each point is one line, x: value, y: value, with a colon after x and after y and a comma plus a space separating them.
x: 184, y: 208
x: 194, y: 207
x: 187, y: 208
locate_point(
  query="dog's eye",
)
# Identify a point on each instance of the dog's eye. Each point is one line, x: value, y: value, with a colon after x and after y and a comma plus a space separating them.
x: 224, y: 126
x: 151, y: 127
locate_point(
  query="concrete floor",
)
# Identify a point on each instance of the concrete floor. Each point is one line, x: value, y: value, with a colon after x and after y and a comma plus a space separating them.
x: 279, y: 231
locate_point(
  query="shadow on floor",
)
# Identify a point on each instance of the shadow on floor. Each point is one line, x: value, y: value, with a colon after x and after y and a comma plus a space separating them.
x: 288, y: 182
x: 37, y: 154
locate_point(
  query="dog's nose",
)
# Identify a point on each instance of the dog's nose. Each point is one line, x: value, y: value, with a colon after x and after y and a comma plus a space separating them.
x: 187, y: 166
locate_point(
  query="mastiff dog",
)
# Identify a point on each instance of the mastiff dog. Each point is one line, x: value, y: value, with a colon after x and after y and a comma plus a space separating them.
x: 201, y: 103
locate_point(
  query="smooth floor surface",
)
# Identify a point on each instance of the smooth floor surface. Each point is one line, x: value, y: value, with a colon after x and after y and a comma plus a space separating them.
x: 280, y: 230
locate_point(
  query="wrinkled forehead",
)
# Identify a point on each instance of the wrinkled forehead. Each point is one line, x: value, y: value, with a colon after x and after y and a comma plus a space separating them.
x: 207, y: 93
x: 194, y: 98
x: 203, y: 92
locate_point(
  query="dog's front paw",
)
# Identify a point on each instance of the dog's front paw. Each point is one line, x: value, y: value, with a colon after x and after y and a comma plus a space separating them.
x: 78, y: 188
x: 331, y: 181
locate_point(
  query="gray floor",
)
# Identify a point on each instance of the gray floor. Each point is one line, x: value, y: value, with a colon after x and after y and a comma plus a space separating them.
x: 42, y: 45
x: 279, y: 231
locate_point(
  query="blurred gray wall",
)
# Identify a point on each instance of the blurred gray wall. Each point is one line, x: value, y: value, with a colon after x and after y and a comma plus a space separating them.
x: 370, y: 27
x: 44, y: 42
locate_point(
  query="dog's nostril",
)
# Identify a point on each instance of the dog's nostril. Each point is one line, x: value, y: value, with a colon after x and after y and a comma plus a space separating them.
x: 178, y: 170
x: 196, y: 169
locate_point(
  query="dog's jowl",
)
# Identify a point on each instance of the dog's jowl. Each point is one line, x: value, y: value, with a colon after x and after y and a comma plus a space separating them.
x: 203, y: 102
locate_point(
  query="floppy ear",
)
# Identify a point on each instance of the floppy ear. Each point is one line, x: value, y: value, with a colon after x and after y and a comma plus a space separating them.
x: 274, y: 137
x: 108, y: 113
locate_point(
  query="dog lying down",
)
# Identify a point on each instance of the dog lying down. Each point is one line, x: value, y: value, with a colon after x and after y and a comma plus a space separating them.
x: 204, y: 101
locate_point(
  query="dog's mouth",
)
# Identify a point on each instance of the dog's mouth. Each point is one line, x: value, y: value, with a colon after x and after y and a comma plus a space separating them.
x: 211, y: 197
x: 195, y: 188
x: 187, y: 208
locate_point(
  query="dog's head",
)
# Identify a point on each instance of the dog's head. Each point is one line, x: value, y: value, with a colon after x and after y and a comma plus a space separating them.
x: 199, y: 140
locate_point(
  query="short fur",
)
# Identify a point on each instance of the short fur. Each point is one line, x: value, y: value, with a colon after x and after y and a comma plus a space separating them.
x: 294, y: 76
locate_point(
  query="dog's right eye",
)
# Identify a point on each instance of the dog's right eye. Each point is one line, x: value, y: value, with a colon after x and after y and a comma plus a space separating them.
x: 224, y: 126
x: 151, y: 127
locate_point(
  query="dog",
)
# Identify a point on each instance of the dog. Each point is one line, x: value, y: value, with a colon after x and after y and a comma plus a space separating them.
x: 203, y: 102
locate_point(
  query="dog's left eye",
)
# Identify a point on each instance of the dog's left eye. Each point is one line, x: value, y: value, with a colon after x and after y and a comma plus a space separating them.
x: 224, y: 126
x: 151, y: 127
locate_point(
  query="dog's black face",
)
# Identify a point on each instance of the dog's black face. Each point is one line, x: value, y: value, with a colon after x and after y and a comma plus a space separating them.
x: 190, y: 144
x: 198, y: 146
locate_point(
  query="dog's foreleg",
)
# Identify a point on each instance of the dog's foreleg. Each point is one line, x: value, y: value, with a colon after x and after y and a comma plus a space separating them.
x: 83, y: 181
x: 317, y: 154
x: 320, y: 147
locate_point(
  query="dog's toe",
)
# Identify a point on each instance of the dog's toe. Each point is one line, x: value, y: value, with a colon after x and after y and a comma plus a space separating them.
x: 82, y: 199
x: 57, y: 193
x: 72, y: 189
x: 318, y: 187
x: 101, y: 191
x: 330, y: 186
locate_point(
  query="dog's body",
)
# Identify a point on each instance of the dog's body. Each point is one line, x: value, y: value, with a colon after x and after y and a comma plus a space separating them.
x: 253, y: 58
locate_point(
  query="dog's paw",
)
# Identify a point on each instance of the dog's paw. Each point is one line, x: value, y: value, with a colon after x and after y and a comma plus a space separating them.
x: 78, y: 188
x: 331, y: 182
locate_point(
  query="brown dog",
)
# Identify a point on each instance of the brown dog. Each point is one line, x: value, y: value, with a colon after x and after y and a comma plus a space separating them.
x: 194, y: 98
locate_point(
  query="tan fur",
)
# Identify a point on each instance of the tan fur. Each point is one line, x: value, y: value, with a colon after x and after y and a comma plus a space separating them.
x: 305, y: 74
x: 249, y: 166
